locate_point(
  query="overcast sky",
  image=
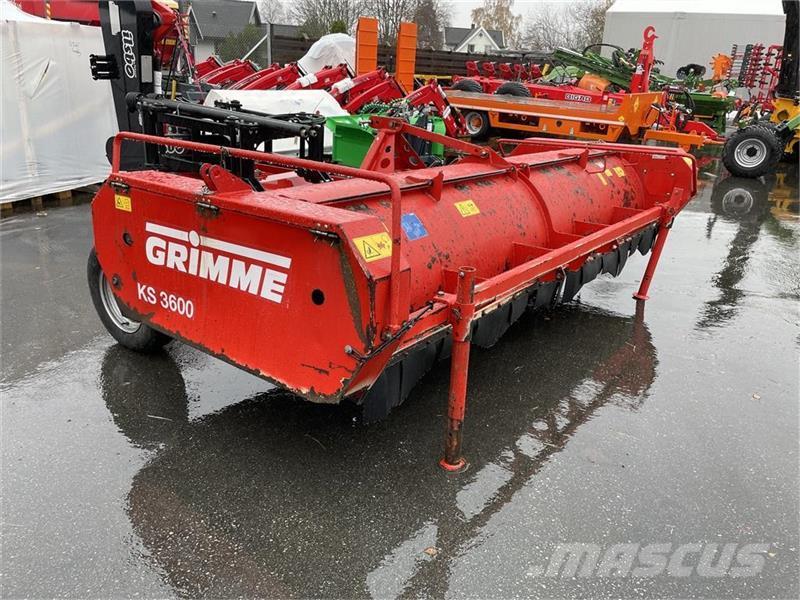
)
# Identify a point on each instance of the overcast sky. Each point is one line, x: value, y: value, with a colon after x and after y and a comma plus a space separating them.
x: 460, y: 12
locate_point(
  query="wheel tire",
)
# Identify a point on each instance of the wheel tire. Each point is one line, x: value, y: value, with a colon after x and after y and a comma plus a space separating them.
x: 513, y: 88
x: 131, y: 334
x: 789, y: 157
x: 752, y: 152
x: 476, y: 122
x: 468, y: 85
x: 768, y: 125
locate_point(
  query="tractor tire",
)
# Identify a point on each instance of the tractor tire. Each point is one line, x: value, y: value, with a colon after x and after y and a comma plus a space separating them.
x: 788, y: 157
x: 752, y: 152
x: 476, y: 122
x: 468, y: 85
x: 513, y: 88
x: 130, y: 333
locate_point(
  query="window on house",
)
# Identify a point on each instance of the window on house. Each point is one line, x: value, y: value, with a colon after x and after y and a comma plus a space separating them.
x: 471, y: 48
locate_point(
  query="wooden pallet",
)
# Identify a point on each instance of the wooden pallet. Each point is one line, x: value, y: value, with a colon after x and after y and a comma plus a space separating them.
x: 39, y: 204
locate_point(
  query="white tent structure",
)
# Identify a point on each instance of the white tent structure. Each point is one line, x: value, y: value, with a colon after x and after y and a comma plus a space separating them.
x: 54, y: 119
x: 692, y: 31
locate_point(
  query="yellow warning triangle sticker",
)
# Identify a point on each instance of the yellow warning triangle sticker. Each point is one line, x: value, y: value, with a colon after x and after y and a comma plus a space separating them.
x: 374, y: 247
x: 369, y: 252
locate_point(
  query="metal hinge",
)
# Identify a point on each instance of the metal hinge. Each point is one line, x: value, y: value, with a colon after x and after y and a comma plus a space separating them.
x: 207, y: 209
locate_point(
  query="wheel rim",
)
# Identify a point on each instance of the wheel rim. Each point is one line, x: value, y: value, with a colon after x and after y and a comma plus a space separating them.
x: 751, y: 153
x: 474, y: 123
x: 112, y: 307
x: 737, y: 201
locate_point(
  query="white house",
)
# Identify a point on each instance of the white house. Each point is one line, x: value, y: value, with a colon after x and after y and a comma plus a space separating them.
x: 473, y: 39
x: 211, y: 21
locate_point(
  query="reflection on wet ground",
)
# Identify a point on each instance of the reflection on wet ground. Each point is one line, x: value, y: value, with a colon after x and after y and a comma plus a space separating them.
x: 753, y: 205
x: 342, y: 468
x: 177, y: 475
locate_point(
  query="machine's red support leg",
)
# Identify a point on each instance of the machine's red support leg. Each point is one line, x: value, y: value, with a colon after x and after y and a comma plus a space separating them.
x: 461, y: 317
x: 644, y: 287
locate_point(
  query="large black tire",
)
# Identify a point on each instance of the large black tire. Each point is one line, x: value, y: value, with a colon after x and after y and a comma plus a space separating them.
x: 468, y: 85
x: 683, y: 72
x: 476, y: 122
x: 752, y: 152
x: 789, y: 157
x: 513, y: 88
x: 128, y: 332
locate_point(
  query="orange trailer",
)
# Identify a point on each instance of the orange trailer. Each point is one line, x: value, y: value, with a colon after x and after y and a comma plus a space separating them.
x: 632, y: 118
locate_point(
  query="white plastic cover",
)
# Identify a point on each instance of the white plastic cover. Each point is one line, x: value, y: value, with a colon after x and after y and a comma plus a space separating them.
x: 328, y: 51
x: 278, y: 102
x: 54, y: 118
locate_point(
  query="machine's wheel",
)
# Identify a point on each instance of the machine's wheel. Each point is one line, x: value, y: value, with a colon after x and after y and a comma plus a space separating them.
x: 691, y: 68
x: 789, y: 157
x: 476, y: 122
x: 513, y: 88
x: 128, y: 332
x: 468, y: 85
x: 752, y: 152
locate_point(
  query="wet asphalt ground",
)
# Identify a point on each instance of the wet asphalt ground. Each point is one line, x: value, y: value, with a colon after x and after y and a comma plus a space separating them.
x: 178, y: 475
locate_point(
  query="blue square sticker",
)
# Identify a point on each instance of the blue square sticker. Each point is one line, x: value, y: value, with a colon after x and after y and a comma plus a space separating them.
x: 413, y: 227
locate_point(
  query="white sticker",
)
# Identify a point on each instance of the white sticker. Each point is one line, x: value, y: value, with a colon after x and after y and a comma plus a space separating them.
x: 113, y: 17
x: 343, y: 85
x: 147, y: 68
x: 307, y: 80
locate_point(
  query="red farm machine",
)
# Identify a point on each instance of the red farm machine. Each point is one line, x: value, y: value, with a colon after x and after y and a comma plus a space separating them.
x: 350, y: 283
x: 343, y: 283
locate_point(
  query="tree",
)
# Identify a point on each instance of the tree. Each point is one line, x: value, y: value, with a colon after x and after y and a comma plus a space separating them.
x: 496, y: 14
x: 316, y: 17
x: 389, y: 14
x: 338, y: 26
x: 236, y: 46
x: 272, y: 11
x: 431, y: 17
x: 592, y: 17
x: 576, y: 25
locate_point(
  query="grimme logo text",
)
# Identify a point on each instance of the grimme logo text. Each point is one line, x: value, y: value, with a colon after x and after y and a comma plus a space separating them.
x: 193, y: 254
x: 653, y: 560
